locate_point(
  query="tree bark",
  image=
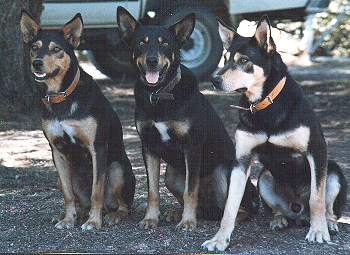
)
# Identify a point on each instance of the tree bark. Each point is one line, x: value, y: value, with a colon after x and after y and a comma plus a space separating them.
x: 19, y: 93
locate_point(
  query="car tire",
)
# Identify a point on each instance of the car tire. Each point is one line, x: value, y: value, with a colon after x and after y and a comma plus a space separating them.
x: 202, y: 53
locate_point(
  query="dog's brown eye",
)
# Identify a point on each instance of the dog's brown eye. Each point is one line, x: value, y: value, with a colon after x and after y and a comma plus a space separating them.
x: 56, y: 49
x: 244, y: 60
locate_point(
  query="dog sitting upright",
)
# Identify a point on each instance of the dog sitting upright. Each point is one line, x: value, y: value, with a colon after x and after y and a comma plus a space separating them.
x: 177, y: 123
x: 279, y: 128
x: 84, y: 132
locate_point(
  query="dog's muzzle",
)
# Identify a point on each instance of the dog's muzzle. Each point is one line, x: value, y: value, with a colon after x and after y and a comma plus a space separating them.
x: 40, y: 75
x: 217, y: 81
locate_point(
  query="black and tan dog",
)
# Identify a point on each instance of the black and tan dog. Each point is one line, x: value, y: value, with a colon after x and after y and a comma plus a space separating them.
x: 83, y: 130
x: 177, y: 123
x: 279, y: 128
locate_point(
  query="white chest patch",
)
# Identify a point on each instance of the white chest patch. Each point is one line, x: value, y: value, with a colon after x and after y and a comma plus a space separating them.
x: 73, y: 108
x: 163, y: 130
x: 58, y: 128
x: 297, y: 139
x: 246, y: 141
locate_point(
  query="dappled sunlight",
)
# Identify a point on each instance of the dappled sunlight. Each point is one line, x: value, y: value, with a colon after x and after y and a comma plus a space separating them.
x: 91, y: 69
x: 24, y: 149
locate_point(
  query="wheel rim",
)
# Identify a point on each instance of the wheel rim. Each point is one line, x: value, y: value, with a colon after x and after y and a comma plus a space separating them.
x: 200, y: 47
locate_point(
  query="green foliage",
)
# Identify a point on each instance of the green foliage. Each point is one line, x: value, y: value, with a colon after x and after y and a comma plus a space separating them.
x: 337, y: 43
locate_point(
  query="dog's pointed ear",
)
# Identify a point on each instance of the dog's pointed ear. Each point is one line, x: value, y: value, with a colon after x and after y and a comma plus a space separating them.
x: 184, y: 28
x: 29, y: 27
x: 226, y: 33
x: 263, y: 35
x: 73, y: 30
x: 127, y: 24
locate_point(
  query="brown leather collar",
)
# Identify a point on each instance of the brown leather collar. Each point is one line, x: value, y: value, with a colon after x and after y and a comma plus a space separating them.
x: 266, y: 101
x: 164, y: 92
x: 59, y: 97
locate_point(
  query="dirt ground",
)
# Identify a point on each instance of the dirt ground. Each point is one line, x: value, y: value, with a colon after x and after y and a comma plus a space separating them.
x: 29, y: 197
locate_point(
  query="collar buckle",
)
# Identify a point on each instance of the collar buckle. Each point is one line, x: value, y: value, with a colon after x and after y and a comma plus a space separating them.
x: 270, y: 99
x: 253, y: 109
x: 64, y: 94
x: 47, y: 98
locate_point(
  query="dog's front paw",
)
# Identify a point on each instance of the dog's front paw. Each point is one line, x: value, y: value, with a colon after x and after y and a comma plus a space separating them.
x: 216, y: 243
x: 148, y: 223
x: 173, y: 215
x: 279, y: 222
x: 57, y: 218
x: 91, y: 224
x: 116, y: 217
x: 318, y: 235
x: 186, y: 225
x: 65, y: 223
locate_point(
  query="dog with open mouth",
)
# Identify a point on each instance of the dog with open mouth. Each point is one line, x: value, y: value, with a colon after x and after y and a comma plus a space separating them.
x: 177, y: 124
x: 83, y: 130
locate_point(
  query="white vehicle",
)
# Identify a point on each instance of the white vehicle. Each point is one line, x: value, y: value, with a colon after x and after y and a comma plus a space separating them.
x: 203, y: 51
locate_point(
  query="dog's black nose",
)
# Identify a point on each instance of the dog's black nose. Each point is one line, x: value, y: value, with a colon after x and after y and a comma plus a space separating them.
x: 216, y: 80
x: 38, y: 64
x: 152, y: 61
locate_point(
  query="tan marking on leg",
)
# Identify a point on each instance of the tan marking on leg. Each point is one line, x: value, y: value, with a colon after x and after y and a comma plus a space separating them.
x: 97, y: 196
x: 332, y: 191
x: 63, y: 167
x: 318, y: 225
x: 114, y: 195
x: 152, y: 213
x: 189, y: 221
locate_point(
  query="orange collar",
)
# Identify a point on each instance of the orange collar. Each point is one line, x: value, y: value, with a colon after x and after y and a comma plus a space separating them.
x: 59, y: 97
x: 266, y: 101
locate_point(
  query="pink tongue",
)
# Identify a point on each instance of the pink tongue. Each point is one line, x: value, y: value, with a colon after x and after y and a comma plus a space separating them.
x: 152, y: 76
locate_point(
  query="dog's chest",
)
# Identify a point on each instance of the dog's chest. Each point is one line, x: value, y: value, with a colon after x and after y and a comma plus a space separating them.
x: 166, y: 130
x: 84, y: 130
x: 163, y: 131
x: 297, y: 140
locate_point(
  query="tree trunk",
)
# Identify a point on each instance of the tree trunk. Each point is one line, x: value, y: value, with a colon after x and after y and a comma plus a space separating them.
x: 19, y: 93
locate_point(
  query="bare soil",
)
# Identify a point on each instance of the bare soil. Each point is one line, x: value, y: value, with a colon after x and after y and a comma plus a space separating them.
x: 29, y: 197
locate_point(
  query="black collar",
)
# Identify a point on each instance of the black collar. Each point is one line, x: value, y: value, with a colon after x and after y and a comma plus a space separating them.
x: 164, y: 92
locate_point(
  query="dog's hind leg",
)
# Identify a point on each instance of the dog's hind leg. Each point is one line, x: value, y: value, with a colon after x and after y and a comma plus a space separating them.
x: 336, y: 191
x: 276, y: 197
x: 175, y: 183
x: 119, y: 192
